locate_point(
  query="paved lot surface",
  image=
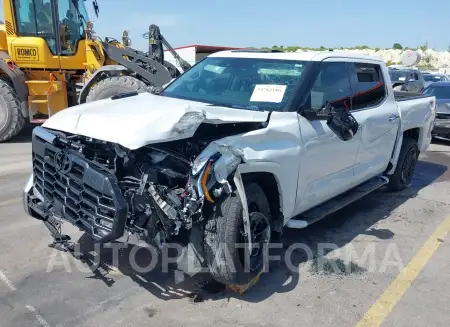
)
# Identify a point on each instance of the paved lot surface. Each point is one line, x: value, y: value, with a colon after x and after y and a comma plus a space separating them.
x: 389, y: 228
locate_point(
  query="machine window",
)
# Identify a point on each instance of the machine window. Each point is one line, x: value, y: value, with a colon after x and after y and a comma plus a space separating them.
x: 34, y: 18
x: 332, y: 85
x: 72, y: 19
x: 370, y: 86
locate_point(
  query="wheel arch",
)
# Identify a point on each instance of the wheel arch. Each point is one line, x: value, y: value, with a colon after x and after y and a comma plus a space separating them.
x: 415, y: 133
x: 268, y: 180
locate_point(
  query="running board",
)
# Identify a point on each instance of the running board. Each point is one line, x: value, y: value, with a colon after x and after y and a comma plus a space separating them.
x: 317, y: 213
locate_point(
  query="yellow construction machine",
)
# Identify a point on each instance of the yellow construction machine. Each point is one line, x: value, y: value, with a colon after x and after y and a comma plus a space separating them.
x: 51, y: 59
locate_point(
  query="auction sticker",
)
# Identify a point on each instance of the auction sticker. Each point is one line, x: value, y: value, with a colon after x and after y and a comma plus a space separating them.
x: 268, y: 93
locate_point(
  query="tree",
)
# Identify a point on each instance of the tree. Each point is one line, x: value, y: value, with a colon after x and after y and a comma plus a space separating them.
x: 424, y: 47
x: 397, y: 46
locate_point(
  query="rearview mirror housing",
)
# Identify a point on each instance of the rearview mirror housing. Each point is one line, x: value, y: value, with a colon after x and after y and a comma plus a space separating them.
x: 312, y: 114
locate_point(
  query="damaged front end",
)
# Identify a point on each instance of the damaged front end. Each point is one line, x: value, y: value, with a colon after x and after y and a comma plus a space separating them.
x: 156, y: 192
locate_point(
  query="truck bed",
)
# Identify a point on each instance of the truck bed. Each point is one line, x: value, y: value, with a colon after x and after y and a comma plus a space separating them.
x: 403, y: 96
x: 417, y: 112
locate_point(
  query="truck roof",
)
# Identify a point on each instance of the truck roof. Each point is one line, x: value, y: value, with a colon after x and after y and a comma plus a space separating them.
x: 307, y: 56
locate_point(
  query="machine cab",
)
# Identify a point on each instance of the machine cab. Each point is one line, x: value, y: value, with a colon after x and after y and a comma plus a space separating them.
x: 48, y: 33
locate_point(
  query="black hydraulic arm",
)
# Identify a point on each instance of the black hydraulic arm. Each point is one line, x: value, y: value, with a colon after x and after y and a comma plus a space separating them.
x: 156, y: 50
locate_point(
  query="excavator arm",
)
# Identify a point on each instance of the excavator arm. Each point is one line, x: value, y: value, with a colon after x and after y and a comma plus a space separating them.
x: 156, y: 51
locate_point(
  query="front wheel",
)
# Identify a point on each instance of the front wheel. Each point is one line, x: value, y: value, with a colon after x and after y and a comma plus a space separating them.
x: 11, y: 119
x: 115, y: 85
x: 225, y: 244
x: 407, y: 160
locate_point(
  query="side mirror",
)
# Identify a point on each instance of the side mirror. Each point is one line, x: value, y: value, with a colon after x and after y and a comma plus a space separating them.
x: 339, y: 120
x: 343, y: 124
x: 311, y: 114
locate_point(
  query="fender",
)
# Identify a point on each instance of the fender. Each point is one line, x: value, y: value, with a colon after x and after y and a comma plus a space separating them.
x: 18, y: 78
x: 286, y: 205
x: 110, y: 70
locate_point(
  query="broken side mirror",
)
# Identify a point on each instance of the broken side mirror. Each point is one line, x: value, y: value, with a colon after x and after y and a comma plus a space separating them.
x: 318, y: 114
x: 343, y: 124
x: 313, y: 115
x: 339, y: 120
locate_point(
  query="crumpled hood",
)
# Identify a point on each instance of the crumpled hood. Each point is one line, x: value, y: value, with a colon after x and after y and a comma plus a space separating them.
x: 145, y: 119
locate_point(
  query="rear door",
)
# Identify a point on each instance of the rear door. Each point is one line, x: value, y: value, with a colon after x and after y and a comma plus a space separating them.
x: 377, y: 113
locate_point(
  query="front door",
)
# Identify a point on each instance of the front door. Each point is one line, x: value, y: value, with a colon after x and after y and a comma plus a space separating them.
x: 327, y: 161
x: 378, y: 117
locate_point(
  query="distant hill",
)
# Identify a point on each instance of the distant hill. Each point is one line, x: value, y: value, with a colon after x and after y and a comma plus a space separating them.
x: 431, y: 59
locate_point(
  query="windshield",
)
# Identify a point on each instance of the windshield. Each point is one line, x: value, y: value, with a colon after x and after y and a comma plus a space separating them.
x: 432, y: 78
x: 82, y: 10
x: 246, y: 83
x: 440, y: 92
x: 72, y: 18
x: 398, y: 75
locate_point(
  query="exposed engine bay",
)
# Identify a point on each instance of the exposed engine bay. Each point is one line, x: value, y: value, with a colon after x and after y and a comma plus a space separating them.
x: 163, y: 191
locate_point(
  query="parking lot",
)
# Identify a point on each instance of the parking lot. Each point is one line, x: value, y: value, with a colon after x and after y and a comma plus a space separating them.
x: 404, y: 279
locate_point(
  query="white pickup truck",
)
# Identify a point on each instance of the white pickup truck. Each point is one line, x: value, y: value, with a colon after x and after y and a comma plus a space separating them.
x: 239, y: 146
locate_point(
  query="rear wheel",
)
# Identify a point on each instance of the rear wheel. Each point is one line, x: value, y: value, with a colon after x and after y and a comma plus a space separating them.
x: 115, y: 85
x: 226, y: 246
x: 11, y: 119
x: 406, y: 165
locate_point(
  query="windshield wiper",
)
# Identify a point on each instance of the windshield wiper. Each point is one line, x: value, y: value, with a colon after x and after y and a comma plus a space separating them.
x: 80, y: 15
x: 254, y: 108
x: 236, y: 106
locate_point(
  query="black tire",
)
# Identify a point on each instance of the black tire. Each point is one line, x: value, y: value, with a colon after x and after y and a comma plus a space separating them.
x: 409, y: 154
x: 115, y: 85
x: 11, y: 119
x: 223, y: 231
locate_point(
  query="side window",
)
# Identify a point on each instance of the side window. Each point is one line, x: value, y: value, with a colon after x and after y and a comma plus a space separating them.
x: 332, y: 85
x: 370, y: 86
x: 71, y: 25
x: 34, y: 18
x: 416, y: 77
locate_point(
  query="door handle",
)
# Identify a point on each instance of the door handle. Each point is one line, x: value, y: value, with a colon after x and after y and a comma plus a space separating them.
x: 393, y: 117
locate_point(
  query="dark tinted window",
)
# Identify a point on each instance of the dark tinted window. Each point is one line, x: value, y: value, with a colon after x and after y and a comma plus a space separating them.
x: 370, y: 86
x: 440, y: 92
x: 34, y: 18
x: 433, y: 78
x: 332, y: 85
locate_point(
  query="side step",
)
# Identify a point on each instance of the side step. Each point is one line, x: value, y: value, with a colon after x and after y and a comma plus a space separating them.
x: 317, y: 213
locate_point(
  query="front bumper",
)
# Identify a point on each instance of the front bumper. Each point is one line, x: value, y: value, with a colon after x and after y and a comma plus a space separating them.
x: 441, y: 128
x: 26, y: 194
x: 85, y: 195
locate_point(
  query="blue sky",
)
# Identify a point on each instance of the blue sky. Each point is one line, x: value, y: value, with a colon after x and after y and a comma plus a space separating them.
x: 331, y: 23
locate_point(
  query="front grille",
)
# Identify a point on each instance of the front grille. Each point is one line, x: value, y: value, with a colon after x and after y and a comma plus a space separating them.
x: 79, y: 191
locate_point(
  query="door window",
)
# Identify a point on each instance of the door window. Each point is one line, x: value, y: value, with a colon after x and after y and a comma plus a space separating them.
x: 331, y: 86
x: 370, y: 88
x: 34, y: 18
x: 72, y: 19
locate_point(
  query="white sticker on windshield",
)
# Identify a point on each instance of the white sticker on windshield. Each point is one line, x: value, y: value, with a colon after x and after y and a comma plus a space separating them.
x: 268, y: 93
x: 401, y: 78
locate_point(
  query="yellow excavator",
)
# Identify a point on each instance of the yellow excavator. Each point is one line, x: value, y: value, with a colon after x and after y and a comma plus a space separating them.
x: 51, y: 59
